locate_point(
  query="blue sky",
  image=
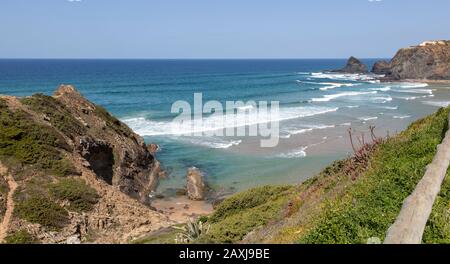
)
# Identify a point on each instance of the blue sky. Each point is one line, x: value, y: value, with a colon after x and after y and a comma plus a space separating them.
x: 217, y: 29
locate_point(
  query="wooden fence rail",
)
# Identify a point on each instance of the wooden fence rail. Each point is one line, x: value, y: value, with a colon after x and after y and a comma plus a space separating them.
x: 410, y: 224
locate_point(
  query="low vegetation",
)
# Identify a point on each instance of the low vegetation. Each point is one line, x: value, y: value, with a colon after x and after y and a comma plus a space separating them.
x: 339, y: 205
x: 56, y: 113
x: 80, y: 196
x: 242, y: 213
x: 28, y: 143
x: 112, y: 122
x: 41, y: 210
x: 21, y: 237
x: 191, y: 231
x: 372, y: 204
x: 438, y: 227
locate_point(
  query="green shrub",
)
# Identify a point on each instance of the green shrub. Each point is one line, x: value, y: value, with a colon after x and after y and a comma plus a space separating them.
x: 32, y: 144
x: 437, y: 230
x: 21, y: 237
x: 81, y: 197
x: 57, y: 113
x: 243, y: 212
x: 42, y: 211
x: 372, y: 204
x: 112, y: 122
x: 247, y: 200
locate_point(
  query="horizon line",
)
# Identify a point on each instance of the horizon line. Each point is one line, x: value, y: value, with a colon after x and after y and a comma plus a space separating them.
x: 331, y: 58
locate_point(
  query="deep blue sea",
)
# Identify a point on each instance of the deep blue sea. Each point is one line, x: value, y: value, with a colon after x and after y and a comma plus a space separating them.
x: 316, y: 109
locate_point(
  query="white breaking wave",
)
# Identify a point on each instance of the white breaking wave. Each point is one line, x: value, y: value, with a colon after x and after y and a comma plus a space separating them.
x: 330, y: 85
x: 327, y: 98
x: 437, y: 103
x: 384, y: 89
x: 368, y: 118
x: 401, y: 117
x: 215, y: 142
x: 349, y: 77
x: 410, y: 98
x: 145, y: 127
x: 415, y: 91
x: 381, y: 99
x: 336, y: 85
x: 390, y: 107
x: 414, y: 85
x: 308, y: 129
x: 298, y: 153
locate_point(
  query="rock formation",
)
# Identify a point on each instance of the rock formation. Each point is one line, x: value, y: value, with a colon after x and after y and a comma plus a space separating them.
x: 82, y: 175
x: 381, y: 67
x: 196, y: 186
x: 353, y: 66
x: 428, y: 61
x: 114, y: 151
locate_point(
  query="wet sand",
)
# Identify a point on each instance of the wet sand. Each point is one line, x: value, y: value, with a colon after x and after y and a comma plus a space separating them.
x: 180, y: 209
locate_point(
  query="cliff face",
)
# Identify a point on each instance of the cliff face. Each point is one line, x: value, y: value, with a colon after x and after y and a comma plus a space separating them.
x: 112, y: 150
x: 429, y: 60
x: 81, y: 174
x: 381, y: 67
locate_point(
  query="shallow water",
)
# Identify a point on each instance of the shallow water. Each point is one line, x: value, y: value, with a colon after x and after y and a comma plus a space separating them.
x: 317, y: 109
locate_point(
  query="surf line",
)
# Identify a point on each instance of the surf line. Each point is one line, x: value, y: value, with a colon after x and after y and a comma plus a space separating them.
x: 235, y: 119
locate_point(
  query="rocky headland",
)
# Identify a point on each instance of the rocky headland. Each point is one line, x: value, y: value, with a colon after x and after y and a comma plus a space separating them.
x: 70, y: 172
x: 428, y: 61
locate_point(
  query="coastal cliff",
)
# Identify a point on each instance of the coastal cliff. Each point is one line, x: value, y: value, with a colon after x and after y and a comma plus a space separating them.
x: 72, y: 173
x: 427, y: 61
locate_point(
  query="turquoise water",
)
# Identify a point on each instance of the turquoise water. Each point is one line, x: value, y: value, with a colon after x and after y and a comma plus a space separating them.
x: 317, y: 109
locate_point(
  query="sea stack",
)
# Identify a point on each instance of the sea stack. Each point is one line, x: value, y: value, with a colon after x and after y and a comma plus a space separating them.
x: 427, y: 61
x: 353, y: 66
x: 196, y: 187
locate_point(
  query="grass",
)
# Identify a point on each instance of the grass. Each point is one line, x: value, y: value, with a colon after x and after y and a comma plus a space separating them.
x: 437, y: 230
x: 57, y: 113
x: 338, y: 207
x: 112, y: 122
x: 242, y: 213
x: 166, y: 236
x: 80, y: 196
x: 372, y: 204
x: 29, y: 143
x: 41, y: 210
x: 21, y: 237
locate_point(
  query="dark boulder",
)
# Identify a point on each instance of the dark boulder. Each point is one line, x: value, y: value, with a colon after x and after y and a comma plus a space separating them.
x: 353, y: 66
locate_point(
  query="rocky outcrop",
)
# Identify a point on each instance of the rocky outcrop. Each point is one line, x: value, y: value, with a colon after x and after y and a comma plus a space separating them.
x: 114, y: 151
x: 428, y: 61
x: 196, y: 186
x: 83, y: 176
x: 381, y: 67
x: 353, y: 66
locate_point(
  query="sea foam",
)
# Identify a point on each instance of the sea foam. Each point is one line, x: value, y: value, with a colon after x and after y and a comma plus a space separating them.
x: 327, y: 98
x: 146, y: 127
